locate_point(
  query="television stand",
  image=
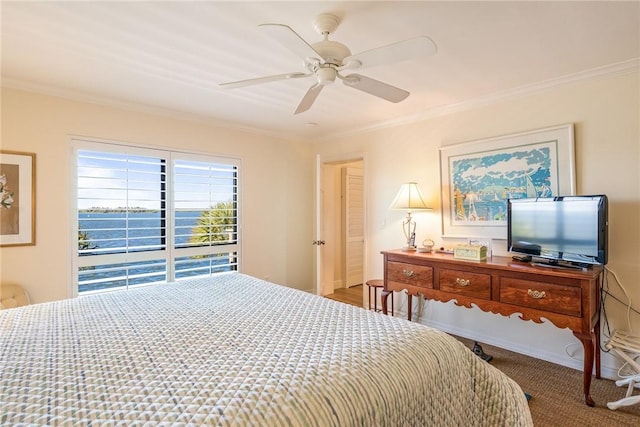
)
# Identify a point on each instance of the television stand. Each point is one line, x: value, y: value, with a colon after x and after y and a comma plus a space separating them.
x: 568, y: 298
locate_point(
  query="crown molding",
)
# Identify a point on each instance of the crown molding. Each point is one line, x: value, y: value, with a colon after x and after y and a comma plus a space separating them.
x: 604, y: 72
x: 141, y: 108
x: 608, y: 71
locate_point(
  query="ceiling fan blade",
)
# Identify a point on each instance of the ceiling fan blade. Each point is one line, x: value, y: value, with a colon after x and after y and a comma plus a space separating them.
x: 309, y: 98
x: 414, y: 48
x: 375, y: 87
x: 291, y: 40
x: 266, y: 79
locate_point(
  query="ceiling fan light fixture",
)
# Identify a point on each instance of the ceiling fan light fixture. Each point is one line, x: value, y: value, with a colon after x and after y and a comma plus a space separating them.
x: 326, y: 75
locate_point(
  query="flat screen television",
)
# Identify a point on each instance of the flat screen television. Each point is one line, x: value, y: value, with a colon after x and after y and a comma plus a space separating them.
x: 568, y: 229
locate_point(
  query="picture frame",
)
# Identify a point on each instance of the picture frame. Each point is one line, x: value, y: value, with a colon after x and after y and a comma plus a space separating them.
x: 478, y: 177
x: 17, y: 198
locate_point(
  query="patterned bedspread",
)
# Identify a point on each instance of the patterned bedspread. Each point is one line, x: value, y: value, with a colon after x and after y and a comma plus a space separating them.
x: 235, y: 350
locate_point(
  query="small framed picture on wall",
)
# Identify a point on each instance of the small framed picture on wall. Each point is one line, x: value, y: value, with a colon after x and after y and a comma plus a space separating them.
x: 17, y: 198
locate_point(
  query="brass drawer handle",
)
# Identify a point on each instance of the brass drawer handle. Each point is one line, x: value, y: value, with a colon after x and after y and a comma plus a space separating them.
x: 536, y: 294
x: 463, y: 282
x: 408, y: 273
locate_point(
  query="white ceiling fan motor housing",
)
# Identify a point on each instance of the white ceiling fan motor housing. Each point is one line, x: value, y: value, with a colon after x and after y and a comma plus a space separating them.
x: 332, y: 52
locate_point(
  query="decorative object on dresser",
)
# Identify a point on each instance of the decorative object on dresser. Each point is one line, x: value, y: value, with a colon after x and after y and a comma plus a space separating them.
x: 568, y: 298
x: 409, y: 198
x: 471, y: 252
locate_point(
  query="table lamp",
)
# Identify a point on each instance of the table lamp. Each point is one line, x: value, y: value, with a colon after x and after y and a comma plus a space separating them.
x: 409, y: 198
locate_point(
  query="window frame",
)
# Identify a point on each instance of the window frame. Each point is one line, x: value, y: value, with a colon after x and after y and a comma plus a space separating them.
x: 171, y: 252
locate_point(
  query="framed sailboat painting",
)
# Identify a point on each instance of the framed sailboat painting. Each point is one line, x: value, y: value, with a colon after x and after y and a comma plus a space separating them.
x: 478, y: 177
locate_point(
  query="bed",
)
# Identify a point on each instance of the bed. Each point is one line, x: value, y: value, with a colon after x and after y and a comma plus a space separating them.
x: 233, y: 350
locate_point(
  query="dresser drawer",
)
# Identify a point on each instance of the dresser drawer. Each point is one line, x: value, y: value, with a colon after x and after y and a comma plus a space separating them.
x: 465, y: 283
x: 407, y: 276
x: 541, y: 296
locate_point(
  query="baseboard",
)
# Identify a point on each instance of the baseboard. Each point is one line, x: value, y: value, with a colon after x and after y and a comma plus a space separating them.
x: 609, y: 364
x: 610, y: 372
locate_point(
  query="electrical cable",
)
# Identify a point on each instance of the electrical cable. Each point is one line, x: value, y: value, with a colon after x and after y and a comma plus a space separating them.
x: 566, y: 349
x: 604, y: 294
x: 420, y: 308
x: 629, y: 306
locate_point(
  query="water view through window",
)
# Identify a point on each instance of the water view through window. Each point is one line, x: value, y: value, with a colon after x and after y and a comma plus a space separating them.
x: 112, y: 232
x: 149, y: 216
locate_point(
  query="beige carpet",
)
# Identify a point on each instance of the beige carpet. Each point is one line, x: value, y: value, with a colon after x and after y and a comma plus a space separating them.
x: 557, y: 392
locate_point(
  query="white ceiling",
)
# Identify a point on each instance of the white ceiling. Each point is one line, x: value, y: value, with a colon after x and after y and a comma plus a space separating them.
x: 169, y: 57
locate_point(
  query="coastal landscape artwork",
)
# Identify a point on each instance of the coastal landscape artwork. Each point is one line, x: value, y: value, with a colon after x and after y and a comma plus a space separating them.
x: 479, y: 177
x: 17, y: 220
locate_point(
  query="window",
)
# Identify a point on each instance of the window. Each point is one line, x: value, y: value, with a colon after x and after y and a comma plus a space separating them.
x: 147, y: 216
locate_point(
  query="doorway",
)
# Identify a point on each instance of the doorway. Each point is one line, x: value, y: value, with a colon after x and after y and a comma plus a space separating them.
x: 340, y: 226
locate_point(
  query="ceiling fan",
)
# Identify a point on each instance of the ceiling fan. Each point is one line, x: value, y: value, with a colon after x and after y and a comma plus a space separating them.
x: 327, y: 59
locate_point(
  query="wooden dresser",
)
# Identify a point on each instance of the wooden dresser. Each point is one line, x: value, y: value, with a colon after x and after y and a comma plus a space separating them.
x: 568, y: 298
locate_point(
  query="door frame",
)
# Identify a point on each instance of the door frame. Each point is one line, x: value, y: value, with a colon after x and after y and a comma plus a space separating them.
x: 322, y: 161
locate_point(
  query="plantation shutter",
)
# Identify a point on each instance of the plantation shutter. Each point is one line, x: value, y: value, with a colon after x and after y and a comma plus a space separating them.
x: 122, y: 234
x: 147, y: 216
x: 206, y: 216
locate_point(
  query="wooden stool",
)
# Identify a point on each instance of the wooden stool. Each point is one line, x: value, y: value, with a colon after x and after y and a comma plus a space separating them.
x: 375, y: 285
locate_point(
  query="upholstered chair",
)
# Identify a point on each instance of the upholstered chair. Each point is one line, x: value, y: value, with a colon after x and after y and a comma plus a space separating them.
x: 12, y: 295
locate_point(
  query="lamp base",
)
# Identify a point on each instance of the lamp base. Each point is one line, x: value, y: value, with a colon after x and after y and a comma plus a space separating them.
x: 408, y: 249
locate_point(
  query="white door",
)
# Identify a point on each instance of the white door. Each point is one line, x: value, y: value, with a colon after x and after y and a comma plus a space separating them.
x: 326, y: 220
x: 324, y: 229
x: 353, y: 225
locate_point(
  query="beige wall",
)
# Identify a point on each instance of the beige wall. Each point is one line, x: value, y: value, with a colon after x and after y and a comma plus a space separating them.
x: 277, y: 186
x: 606, y: 115
x: 278, y: 190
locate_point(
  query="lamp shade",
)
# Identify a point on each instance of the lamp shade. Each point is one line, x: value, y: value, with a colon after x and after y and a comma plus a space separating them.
x: 410, y: 198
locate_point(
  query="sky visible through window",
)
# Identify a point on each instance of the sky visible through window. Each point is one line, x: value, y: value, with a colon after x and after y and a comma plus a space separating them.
x: 113, y: 181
